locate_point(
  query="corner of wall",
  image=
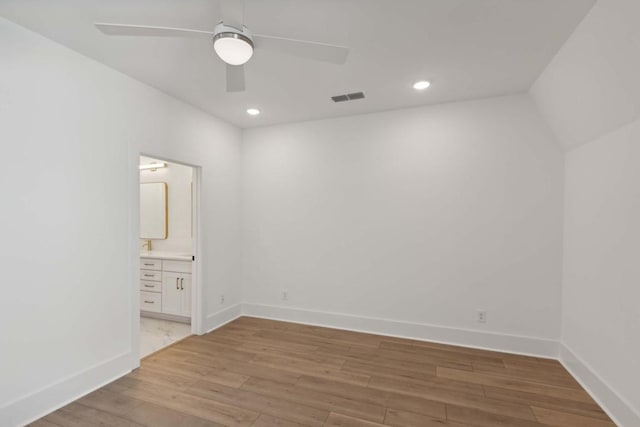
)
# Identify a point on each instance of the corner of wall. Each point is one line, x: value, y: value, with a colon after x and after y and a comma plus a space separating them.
x: 620, y: 411
x: 222, y: 317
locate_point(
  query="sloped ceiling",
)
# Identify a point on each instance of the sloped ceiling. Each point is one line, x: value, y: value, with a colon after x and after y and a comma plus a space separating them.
x: 468, y: 48
x: 592, y: 86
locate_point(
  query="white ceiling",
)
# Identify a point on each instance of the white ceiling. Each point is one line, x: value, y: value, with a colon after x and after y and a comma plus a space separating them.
x: 466, y: 48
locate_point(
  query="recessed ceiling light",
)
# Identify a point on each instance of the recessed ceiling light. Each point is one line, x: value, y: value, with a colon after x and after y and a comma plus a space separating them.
x: 253, y: 111
x: 421, y: 85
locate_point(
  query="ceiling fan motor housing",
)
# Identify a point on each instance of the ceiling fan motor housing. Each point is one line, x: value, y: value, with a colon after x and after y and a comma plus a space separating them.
x: 233, y: 46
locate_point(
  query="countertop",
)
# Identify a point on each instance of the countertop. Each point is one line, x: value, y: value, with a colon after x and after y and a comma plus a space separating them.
x: 176, y: 256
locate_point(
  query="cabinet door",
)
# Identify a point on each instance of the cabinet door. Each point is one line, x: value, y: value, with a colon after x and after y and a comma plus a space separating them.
x: 185, y: 286
x: 171, y: 293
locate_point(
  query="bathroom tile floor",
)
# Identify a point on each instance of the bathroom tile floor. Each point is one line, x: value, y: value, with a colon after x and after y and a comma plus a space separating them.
x: 156, y: 334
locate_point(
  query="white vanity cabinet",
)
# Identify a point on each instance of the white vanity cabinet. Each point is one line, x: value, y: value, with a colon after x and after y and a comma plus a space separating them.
x: 176, y: 293
x: 165, y: 288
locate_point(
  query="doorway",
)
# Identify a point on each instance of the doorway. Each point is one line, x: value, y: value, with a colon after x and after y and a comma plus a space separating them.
x: 168, y: 286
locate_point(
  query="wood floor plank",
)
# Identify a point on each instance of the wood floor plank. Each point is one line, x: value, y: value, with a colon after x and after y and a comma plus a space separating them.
x: 265, y: 373
x: 211, y: 410
x: 160, y: 377
x: 398, y: 418
x: 457, y: 398
x: 327, y: 385
x: 348, y: 406
x: 426, y: 387
x: 429, y: 352
x: 269, y: 421
x: 416, y: 405
x: 312, y: 356
x: 150, y: 414
x: 563, y: 419
x: 303, y: 367
x: 380, y: 369
x: 476, y: 417
x: 107, y: 401
x: 408, y: 358
x: 340, y: 420
x: 252, y: 370
x: 270, y: 404
x: 587, y: 409
x: 76, y: 414
x: 43, y: 422
x: 514, y: 384
x: 529, y: 375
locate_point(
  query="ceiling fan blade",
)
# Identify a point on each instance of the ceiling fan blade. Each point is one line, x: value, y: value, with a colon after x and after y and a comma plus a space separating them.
x: 235, y: 78
x: 149, y: 31
x: 232, y: 13
x: 306, y: 49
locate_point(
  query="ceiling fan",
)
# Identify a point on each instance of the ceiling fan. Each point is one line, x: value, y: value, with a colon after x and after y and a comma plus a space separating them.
x: 234, y: 43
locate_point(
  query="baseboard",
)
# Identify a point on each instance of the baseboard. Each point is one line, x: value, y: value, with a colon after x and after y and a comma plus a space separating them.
x: 164, y: 316
x: 29, y: 408
x: 620, y: 411
x: 215, y: 320
x: 529, y: 346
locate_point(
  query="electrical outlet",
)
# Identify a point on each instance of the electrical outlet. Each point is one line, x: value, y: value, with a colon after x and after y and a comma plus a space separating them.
x: 222, y: 299
x: 285, y: 295
x: 482, y: 316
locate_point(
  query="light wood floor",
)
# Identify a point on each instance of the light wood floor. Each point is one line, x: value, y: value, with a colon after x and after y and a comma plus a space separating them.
x: 255, y: 372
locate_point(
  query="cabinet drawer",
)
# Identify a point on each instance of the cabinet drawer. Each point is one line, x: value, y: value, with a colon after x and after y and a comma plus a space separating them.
x: 150, y: 301
x: 150, y: 264
x: 152, y: 275
x: 177, y: 266
x: 150, y: 286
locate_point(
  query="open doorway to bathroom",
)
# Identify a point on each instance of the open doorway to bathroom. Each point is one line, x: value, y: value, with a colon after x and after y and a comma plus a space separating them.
x: 168, y: 224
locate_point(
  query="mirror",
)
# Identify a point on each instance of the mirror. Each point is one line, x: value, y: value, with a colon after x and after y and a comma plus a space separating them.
x: 153, y: 210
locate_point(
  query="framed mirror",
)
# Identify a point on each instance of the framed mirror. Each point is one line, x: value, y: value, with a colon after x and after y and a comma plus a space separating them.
x: 153, y: 210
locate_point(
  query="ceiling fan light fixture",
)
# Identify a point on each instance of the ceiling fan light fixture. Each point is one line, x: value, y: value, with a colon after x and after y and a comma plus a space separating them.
x: 232, y: 46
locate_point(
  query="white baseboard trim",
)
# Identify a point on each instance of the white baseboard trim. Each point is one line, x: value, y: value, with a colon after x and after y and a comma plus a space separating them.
x: 29, y: 408
x: 529, y: 346
x: 164, y: 316
x: 620, y: 411
x: 215, y: 320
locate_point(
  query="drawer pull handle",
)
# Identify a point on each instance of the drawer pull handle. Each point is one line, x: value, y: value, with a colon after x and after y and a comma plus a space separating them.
x: 149, y: 275
x: 181, y: 288
x: 177, y: 279
x: 149, y: 286
x: 148, y: 264
x: 149, y: 302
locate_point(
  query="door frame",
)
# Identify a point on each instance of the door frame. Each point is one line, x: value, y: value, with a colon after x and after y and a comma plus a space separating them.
x: 197, y: 301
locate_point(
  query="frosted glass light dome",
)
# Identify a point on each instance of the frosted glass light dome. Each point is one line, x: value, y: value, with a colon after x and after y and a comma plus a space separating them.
x: 233, y: 48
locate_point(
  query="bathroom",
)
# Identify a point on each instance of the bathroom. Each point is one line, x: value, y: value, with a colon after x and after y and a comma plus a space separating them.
x: 166, y: 253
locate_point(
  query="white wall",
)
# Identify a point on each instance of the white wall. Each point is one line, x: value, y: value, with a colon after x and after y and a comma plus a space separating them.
x: 601, y: 314
x: 420, y: 215
x: 179, y: 179
x: 71, y: 131
x: 590, y: 93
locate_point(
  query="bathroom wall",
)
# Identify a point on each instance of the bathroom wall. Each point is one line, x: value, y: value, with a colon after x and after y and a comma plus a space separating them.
x: 179, y: 179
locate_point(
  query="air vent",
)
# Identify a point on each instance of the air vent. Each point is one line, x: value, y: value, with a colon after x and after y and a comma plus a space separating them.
x: 348, y: 97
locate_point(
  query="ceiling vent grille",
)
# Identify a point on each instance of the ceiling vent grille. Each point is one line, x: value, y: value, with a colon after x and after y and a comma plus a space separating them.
x: 348, y: 97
